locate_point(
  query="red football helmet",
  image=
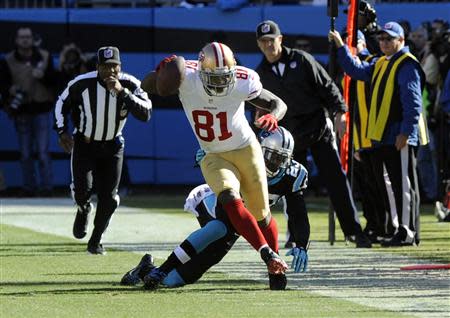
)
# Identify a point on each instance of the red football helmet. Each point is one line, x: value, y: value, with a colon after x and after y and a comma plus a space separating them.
x: 217, y: 68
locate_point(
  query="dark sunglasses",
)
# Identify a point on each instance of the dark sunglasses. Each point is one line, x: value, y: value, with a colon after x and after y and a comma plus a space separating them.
x: 385, y: 38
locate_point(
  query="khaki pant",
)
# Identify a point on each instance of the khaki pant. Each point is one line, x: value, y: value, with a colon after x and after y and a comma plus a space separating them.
x: 242, y: 170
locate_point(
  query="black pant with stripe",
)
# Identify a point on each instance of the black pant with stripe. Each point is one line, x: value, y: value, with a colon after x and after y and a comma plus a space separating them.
x: 97, y: 165
x: 396, y: 173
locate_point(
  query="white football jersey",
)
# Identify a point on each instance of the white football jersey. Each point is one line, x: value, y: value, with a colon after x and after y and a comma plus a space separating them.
x: 219, y: 123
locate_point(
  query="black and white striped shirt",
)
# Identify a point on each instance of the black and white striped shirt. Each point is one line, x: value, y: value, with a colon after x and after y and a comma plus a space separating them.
x: 96, y: 113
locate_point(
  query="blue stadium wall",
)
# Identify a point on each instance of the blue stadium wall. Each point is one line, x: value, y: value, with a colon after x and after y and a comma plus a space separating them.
x: 162, y: 151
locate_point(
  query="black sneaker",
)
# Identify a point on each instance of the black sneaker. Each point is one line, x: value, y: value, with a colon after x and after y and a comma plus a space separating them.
x: 373, y: 237
x: 136, y: 275
x: 96, y: 249
x: 277, y: 281
x: 403, y: 237
x: 362, y: 241
x: 153, y: 279
x: 81, y: 221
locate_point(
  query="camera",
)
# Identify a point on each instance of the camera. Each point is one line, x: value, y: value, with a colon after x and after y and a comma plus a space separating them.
x: 17, y: 100
x: 367, y: 11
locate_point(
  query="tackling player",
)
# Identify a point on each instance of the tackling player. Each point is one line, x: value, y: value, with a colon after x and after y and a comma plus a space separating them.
x: 207, y: 246
x: 213, y: 91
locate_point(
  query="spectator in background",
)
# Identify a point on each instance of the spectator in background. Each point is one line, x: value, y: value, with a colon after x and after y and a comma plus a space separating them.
x: 303, y: 43
x: 312, y: 97
x: 71, y: 64
x: 28, y: 79
x: 426, y: 154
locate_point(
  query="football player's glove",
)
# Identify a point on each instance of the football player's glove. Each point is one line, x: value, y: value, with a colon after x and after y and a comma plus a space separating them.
x: 267, y: 122
x: 300, y: 260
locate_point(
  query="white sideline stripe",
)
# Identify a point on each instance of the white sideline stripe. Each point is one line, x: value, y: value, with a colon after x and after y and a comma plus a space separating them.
x: 361, y: 276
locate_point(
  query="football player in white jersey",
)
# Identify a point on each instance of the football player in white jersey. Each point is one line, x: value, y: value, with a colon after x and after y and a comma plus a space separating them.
x: 213, y: 91
x: 206, y: 247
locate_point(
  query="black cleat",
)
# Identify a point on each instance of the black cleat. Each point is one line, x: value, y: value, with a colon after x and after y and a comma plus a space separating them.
x: 96, y: 249
x: 153, y: 279
x: 277, y: 281
x: 81, y: 221
x: 362, y: 241
x: 403, y: 237
x: 136, y: 275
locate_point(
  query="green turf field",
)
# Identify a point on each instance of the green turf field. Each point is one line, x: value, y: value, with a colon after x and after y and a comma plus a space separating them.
x: 47, y: 275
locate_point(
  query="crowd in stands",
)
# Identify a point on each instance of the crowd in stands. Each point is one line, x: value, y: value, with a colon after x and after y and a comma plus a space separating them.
x: 226, y: 5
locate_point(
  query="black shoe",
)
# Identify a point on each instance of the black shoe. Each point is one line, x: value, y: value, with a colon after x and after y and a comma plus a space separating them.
x: 136, y: 275
x: 362, y: 241
x: 373, y: 237
x: 277, y: 281
x: 81, y: 221
x: 154, y: 278
x: 403, y: 237
x: 96, y: 249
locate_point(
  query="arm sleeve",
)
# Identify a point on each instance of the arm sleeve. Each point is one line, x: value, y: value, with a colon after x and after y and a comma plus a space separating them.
x: 62, y: 109
x: 326, y: 88
x: 359, y: 71
x: 411, y: 97
x: 254, y: 85
x: 298, y: 221
x: 136, y: 100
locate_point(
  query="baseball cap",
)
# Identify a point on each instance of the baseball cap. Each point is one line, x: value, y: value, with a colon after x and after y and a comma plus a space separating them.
x: 108, y: 54
x: 393, y: 29
x: 267, y: 28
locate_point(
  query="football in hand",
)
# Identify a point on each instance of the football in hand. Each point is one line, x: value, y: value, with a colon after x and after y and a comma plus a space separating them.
x: 170, y: 76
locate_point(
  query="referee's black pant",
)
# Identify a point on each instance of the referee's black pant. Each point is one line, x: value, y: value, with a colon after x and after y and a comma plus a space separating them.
x: 326, y: 157
x: 97, y: 164
x: 396, y: 173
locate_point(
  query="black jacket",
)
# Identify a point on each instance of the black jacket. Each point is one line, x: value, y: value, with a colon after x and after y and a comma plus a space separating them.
x: 306, y: 88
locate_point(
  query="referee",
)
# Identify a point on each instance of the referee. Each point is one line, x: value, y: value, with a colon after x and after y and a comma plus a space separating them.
x: 99, y: 103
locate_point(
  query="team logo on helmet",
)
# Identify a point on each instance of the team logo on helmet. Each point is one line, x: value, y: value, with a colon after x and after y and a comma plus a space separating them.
x: 201, y: 56
x: 264, y: 134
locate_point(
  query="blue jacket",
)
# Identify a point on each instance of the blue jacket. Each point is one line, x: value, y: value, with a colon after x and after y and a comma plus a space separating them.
x: 409, y: 81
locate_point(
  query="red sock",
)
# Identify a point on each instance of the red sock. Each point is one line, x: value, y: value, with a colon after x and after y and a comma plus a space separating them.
x: 270, y: 233
x: 244, y: 223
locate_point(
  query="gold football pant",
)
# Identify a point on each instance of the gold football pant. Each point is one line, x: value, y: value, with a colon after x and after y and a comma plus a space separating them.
x: 242, y: 170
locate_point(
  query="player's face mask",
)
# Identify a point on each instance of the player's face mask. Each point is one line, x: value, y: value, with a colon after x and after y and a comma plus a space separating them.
x: 275, y: 161
x: 217, y: 68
